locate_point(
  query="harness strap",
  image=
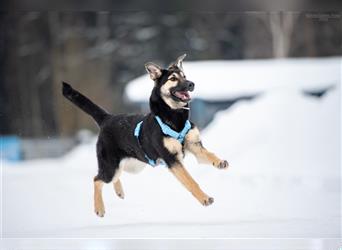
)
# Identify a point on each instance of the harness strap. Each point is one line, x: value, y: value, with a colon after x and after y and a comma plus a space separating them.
x: 180, y: 136
x: 136, y: 134
x: 137, y: 129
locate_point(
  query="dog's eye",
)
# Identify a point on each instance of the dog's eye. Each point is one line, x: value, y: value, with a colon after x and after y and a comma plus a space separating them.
x: 173, y: 79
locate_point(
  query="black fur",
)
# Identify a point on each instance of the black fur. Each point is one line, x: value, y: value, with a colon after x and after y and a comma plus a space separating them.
x: 116, y: 139
x: 84, y: 103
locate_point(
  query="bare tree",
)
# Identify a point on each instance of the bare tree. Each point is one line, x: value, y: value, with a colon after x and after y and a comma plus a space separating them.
x: 281, y: 28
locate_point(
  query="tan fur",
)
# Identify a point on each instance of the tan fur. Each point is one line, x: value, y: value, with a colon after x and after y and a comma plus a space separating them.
x: 194, y: 145
x: 165, y: 89
x: 174, y: 147
x: 118, y: 189
x: 98, y: 201
x: 174, y: 75
x: 166, y: 94
x: 190, y: 184
x: 153, y: 70
x: 193, y: 136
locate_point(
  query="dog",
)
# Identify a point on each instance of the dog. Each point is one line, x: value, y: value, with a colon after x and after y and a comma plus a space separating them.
x: 130, y: 142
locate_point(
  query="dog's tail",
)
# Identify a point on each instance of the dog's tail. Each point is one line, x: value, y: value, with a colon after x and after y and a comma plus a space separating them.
x: 84, y: 103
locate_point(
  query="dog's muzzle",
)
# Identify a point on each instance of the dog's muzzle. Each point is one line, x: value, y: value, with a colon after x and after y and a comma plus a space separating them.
x: 181, y: 92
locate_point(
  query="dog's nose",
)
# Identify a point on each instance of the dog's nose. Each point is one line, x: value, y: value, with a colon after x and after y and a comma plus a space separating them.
x: 191, y: 86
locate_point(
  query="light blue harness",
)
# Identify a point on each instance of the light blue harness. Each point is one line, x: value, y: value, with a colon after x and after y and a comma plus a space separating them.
x: 180, y: 136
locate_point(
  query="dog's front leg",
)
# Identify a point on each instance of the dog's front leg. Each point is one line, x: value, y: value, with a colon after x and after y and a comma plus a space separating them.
x: 189, y: 183
x: 173, y: 155
x: 194, y: 145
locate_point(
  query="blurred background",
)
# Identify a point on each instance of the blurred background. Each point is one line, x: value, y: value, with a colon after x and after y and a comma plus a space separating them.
x: 267, y: 99
x: 100, y: 52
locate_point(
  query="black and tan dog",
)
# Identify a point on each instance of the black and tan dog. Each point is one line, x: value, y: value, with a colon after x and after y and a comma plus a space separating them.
x: 129, y: 142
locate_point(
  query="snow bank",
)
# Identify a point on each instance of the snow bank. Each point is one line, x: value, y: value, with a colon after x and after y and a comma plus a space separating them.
x: 282, y: 132
x: 284, y: 181
x: 229, y: 79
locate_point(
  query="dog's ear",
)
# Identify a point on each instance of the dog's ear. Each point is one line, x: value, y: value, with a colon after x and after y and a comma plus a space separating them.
x: 179, y: 62
x: 153, y: 70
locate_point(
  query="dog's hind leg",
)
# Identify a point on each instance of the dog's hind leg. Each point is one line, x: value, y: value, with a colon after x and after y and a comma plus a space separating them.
x: 118, y: 189
x: 98, y: 201
x: 105, y: 175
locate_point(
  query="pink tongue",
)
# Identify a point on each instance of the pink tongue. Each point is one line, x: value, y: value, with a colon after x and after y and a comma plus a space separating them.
x: 183, y: 94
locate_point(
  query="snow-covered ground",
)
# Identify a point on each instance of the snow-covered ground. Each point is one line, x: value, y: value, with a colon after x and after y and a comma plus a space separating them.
x: 284, y: 182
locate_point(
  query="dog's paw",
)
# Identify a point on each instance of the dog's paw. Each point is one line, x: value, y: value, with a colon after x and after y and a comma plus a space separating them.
x: 223, y: 165
x: 100, y: 211
x: 120, y: 195
x: 118, y: 190
x: 208, y: 201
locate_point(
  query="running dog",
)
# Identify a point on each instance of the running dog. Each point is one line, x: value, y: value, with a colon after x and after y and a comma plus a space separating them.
x: 129, y: 142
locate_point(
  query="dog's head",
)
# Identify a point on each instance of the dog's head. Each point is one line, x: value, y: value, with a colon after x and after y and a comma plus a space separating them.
x: 171, y: 84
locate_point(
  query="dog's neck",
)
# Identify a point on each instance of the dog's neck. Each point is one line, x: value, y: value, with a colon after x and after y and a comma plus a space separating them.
x: 175, y: 118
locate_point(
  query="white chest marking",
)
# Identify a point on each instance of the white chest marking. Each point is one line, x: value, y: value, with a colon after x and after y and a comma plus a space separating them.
x: 132, y: 165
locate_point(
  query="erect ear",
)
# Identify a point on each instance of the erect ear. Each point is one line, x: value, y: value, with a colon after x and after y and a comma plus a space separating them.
x: 153, y: 70
x: 179, y: 62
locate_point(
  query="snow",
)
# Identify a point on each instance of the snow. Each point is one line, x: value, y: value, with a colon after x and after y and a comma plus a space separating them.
x: 217, y: 80
x: 283, y: 183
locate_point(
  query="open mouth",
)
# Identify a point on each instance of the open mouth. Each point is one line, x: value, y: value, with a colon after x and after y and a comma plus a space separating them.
x: 184, y: 95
